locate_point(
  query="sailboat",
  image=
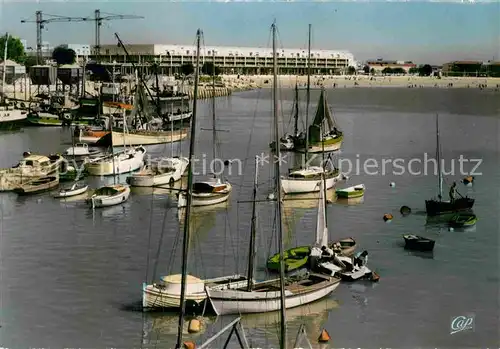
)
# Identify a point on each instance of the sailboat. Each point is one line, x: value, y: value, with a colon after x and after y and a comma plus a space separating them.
x: 266, y: 296
x: 173, y: 291
x: 215, y: 190
x: 437, y: 206
x: 287, y: 142
x: 10, y: 117
x: 308, y: 179
x: 127, y: 160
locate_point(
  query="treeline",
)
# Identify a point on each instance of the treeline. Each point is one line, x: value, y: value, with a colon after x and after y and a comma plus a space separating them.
x: 473, y: 69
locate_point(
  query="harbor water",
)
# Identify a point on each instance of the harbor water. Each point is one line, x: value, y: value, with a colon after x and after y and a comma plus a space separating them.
x: 72, y: 277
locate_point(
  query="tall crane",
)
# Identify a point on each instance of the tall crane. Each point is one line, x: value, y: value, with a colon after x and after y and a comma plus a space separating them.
x: 40, y: 25
x: 98, y: 22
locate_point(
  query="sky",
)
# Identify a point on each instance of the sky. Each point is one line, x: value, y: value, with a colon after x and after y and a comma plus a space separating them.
x: 424, y: 32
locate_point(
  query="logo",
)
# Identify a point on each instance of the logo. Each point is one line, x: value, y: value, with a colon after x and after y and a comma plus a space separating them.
x: 462, y: 323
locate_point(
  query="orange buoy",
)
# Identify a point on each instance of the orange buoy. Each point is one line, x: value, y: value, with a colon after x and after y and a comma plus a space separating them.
x: 189, y: 345
x: 194, y: 326
x: 324, y: 336
x: 468, y: 179
x: 388, y: 217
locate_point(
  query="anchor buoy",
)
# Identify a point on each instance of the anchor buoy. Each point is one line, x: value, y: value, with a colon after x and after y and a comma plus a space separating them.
x: 468, y: 180
x: 324, y: 337
x: 388, y: 217
x: 405, y: 210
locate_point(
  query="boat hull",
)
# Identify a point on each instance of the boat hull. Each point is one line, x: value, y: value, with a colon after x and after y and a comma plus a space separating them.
x: 351, y: 193
x: 31, y: 189
x: 111, y: 200
x: 296, y: 186
x: 105, y: 167
x: 435, y: 207
x: 419, y: 245
x: 205, y: 199
x: 239, y: 302
x: 329, y: 146
x: 151, y: 180
x: 71, y: 192
x: 12, y: 119
x: 142, y: 138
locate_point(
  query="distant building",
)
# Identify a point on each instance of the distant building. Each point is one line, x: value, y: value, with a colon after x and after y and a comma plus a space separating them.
x: 462, y: 68
x: 80, y: 49
x: 25, y: 44
x: 380, y: 64
x: 231, y: 60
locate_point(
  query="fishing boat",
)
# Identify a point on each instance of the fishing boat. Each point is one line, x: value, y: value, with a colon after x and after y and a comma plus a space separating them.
x: 438, y: 206
x: 216, y: 189
x: 160, y: 172
x: 38, y: 186
x: 109, y: 195
x: 82, y: 150
x: 271, y: 295
x: 463, y: 219
x: 355, y: 191
x: 418, y: 243
x: 31, y: 167
x: 75, y: 189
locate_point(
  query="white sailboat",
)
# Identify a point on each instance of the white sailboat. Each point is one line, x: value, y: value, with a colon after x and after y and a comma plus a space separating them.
x: 10, y: 117
x: 272, y: 295
x: 128, y: 160
x: 173, y: 291
x: 215, y: 190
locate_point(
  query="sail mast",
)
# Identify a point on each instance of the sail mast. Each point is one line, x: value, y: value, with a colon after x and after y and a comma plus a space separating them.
x: 308, y: 93
x: 4, y: 65
x: 251, y: 255
x: 185, y: 243
x: 214, y: 135
x: 278, y: 194
x: 296, y: 124
x: 323, y: 181
x: 438, y: 158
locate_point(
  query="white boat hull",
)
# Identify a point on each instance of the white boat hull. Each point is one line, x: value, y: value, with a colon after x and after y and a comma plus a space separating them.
x: 179, y: 117
x: 159, y: 137
x: 151, y: 180
x: 65, y: 193
x: 110, y: 200
x: 204, y: 199
x: 104, y: 167
x: 295, y: 186
x: 12, y: 118
x: 238, y: 302
x: 321, y: 148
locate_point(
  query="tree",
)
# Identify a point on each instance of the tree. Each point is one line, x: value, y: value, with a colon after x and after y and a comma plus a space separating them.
x: 63, y: 55
x: 351, y: 70
x: 187, y: 69
x: 208, y: 69
x: 413, y: 70
x: 372, y: 71
x: 30, y: 61
x: 399, y: 71
x: 387, y: 70
x: 15, y: 49
x: 425, y: 70
x: 366, y: 69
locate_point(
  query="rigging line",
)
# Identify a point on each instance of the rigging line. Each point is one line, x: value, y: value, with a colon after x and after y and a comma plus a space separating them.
x: 160, y: 242
x: 150, y: 233
x: 175, y: 245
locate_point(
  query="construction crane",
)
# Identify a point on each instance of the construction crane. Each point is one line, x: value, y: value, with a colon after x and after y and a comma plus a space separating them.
x: 40, y: 25
x: 41, y: 21
x: 98, y: 22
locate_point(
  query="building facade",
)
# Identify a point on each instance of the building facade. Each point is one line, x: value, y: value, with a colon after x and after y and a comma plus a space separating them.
x: 378, y: 65
x: 231, y: 60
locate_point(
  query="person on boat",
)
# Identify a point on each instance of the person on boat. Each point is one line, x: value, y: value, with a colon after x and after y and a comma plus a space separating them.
x: 361, y: 258
x: 453, y: 191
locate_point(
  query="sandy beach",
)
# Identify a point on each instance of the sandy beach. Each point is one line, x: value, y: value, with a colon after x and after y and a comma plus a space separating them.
x: 289, y: 81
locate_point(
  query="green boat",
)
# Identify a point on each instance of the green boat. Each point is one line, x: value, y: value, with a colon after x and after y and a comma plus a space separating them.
x: 297, y: 257
x: 294, y: 258
x: 356, y: 191
x: 463, y: 220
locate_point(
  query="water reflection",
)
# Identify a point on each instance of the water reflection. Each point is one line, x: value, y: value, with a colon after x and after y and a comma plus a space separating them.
x: 349, y: 201
x: 159, y: 326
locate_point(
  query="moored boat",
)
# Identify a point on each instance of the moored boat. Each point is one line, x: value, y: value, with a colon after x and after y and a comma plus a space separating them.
x: 81, y: 150
x: 142, y: 137
x: 130, y: 159
x: 418, y: 243
x: 75, y: 189
x: 11, y: 118
x: 207, y: 193
x: 355, y: 191
x: 463, y: 219
x: 308, y: 180
x: 38, y: 186
x: 109, y: 195
x: 161, y: 172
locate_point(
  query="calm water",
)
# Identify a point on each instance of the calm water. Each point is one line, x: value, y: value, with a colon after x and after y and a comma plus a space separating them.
x: 72, y: 278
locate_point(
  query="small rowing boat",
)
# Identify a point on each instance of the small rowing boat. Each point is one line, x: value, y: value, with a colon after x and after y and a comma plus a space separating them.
x: 75, y: 189
x: 356, y: 191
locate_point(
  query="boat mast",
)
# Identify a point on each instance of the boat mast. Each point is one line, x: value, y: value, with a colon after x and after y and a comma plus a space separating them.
x: 251, y: 255
x: 112, y: 149
x: 214, y: 135
x: 438, y: 158
x: 308, y: 93
x: 172, y: 129
x: 186, y: 238
x: 278, y: 193
x: 323, y: 180
x: 4, y: 65
x: 296, y: 125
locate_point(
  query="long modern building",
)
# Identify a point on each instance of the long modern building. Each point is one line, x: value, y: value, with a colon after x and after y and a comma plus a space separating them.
x: 231, y: 60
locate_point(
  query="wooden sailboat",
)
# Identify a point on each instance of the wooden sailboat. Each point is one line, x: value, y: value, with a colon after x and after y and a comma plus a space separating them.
x: 272, y: 295
x: 215, y: 190
x: 438, y: 206
x: 174, y: 291
x: 308, y: 179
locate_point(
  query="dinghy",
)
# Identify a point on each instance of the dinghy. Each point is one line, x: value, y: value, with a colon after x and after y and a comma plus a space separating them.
x: 462, y: 220
x: 38, y: 186
x: 109, y: 195
x: 356, y: 191
x: 418, y: 243
x: 75, y: 189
